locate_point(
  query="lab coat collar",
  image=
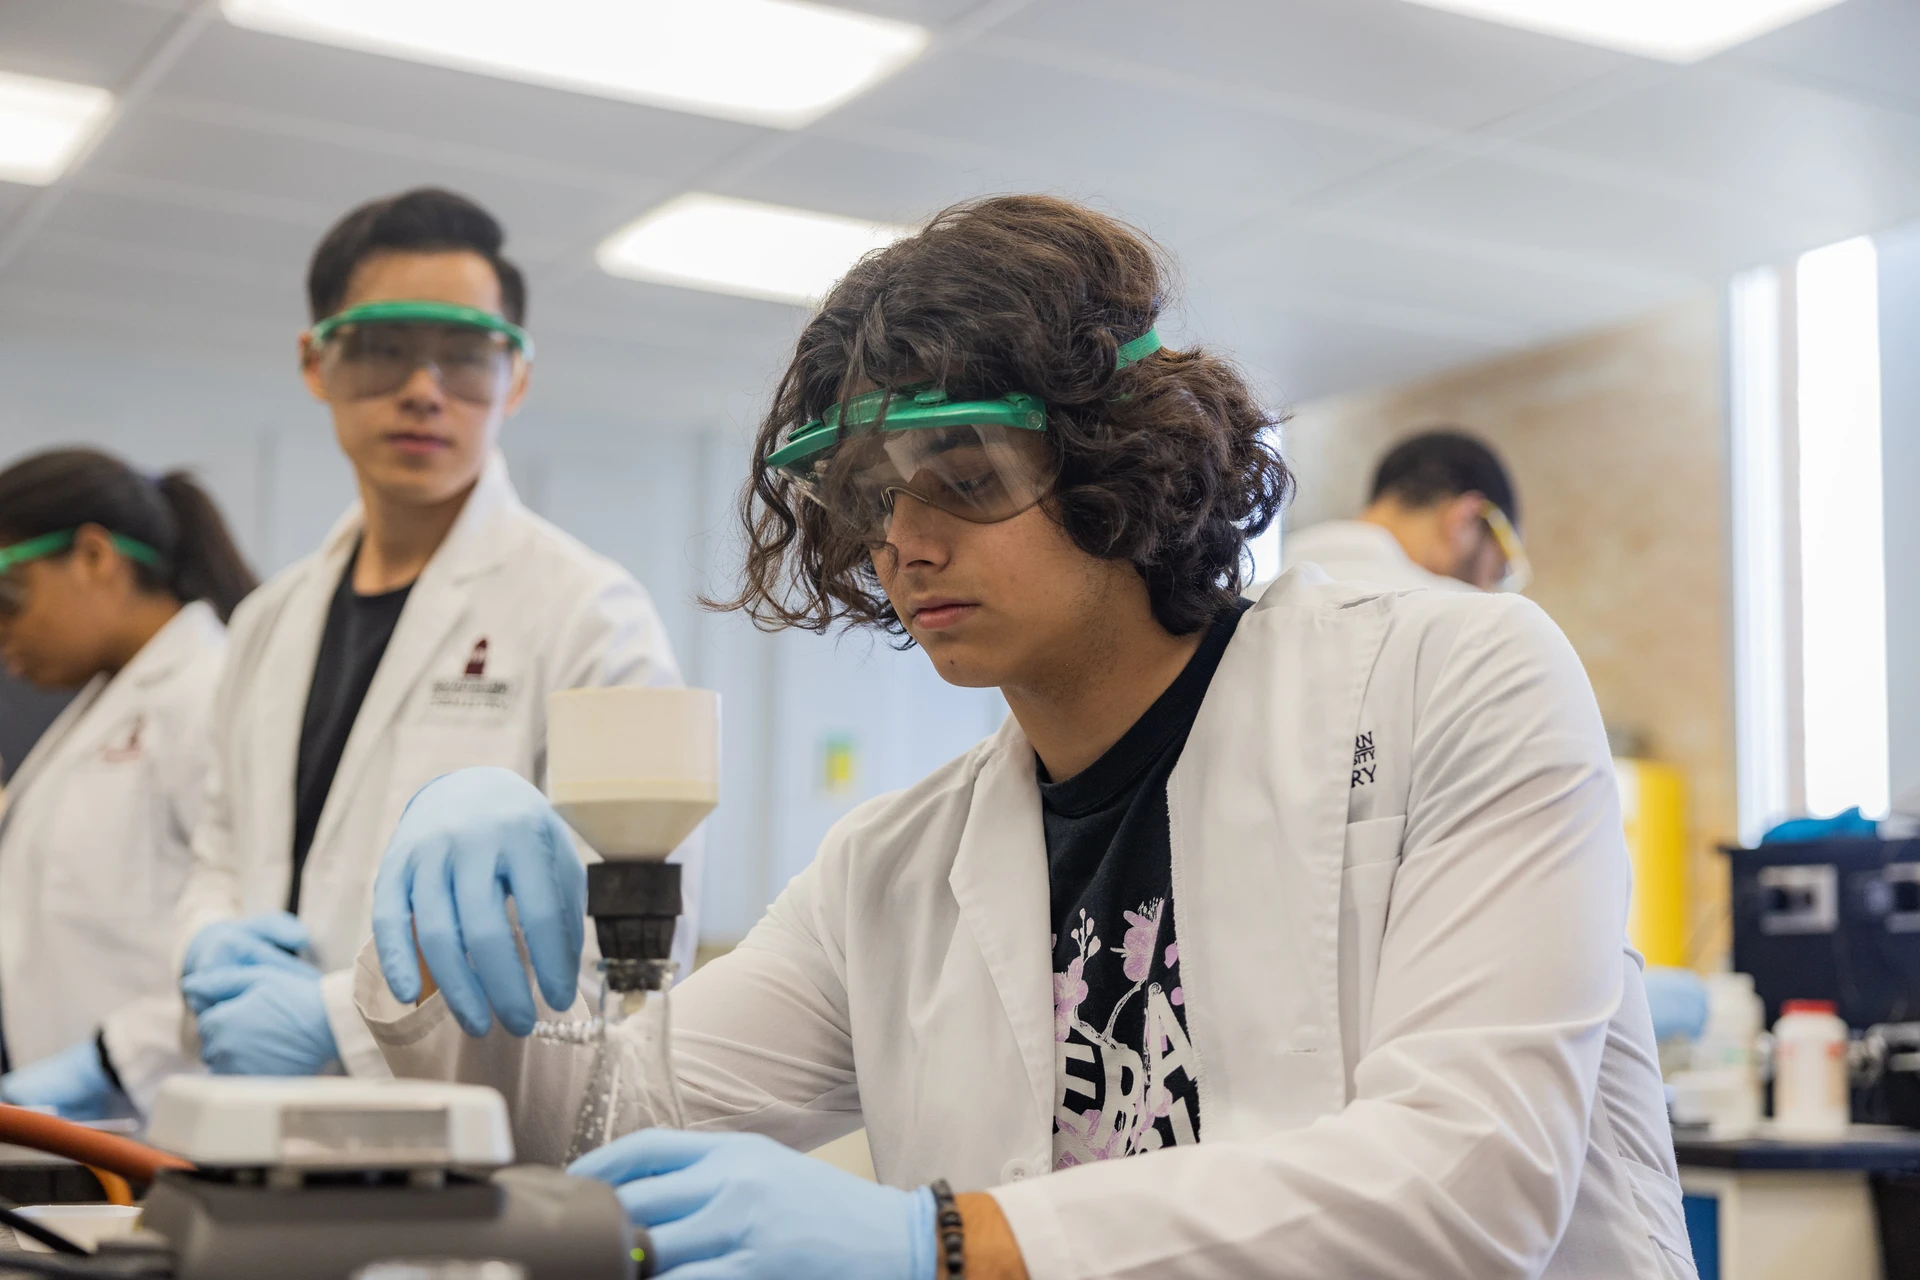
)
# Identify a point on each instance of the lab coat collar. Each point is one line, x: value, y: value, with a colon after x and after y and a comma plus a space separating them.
x: 1000, y: 876
x: 467, y: 550
x: 1257, y: 817
x: 185, y: 635
x: 1000, y: 881
x: 171, y: 647
x: 1348, y: 540
x: 480, y: 541
x: 50, y: 743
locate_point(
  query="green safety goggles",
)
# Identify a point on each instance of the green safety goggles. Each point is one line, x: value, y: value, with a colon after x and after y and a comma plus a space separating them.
x: 374, y: 348
x: 12, y: 591
x: 981, y: 460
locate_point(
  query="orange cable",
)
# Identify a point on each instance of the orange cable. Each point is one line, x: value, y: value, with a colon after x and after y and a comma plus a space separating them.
x: 133, y: 1161
x: 115, y: 1186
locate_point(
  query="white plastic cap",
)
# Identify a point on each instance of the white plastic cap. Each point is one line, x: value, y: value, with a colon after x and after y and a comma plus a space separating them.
x: 330, y: 1122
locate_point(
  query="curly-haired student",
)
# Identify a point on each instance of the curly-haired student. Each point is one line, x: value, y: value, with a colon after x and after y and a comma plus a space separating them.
x: 1284, y: 940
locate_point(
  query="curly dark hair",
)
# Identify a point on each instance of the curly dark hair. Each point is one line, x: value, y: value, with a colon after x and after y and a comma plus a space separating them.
x: 1168, y: 464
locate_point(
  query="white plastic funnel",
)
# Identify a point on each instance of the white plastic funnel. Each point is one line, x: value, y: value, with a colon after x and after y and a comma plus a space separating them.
x: 633, y: 770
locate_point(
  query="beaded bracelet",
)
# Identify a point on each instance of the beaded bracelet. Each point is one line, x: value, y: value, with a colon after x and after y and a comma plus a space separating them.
x: 953, y: 1240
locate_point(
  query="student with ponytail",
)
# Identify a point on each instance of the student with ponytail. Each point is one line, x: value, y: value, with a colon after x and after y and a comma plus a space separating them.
x: 116, y: 584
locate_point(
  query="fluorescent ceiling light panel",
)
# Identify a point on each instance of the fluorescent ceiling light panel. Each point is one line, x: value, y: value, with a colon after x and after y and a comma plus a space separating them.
x: 782, y: 63
x: 742, y: 247
x: 1671, y: 30
x: 45, y: 124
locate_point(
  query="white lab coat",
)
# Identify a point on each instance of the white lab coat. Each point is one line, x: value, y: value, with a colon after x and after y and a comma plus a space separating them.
x: 94, y: 846
x: 1357, y: 551
x: 508, y: 610
x: 1424, y: 1045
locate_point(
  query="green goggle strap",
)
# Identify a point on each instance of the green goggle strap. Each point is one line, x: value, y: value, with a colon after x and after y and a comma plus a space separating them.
x: 932, y: 409
x: 48, y: 544
x: 1137, y: 350
x: 420, y: 312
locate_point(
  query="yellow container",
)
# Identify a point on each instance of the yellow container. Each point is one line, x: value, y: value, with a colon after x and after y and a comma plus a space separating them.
x: 1653, y: 801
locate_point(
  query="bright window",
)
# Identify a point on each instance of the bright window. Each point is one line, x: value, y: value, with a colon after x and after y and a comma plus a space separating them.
x: 1843, y: 602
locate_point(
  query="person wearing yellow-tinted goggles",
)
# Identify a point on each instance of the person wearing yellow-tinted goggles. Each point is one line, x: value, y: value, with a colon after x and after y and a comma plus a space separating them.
x: 1442, y: 512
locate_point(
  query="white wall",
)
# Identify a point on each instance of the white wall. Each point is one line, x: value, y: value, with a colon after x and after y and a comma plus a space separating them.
x: 659, y: 499
x: 1900, y: 465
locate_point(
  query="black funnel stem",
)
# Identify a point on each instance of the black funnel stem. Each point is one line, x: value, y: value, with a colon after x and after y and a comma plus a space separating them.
x: 634, y: 905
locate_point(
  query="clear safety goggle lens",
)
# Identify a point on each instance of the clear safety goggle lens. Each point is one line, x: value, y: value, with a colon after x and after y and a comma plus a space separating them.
x: 360, y: 361
x: 1519, y: 572
x: 982, y: 473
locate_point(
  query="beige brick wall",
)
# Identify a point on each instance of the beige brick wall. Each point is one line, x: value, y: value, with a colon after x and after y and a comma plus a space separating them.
x: 1617, y: 445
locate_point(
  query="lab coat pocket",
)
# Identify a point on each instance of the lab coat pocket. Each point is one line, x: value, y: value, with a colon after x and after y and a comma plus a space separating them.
x: 1370, y: 862
x: 1658, y: 1200
x: 102, y: 840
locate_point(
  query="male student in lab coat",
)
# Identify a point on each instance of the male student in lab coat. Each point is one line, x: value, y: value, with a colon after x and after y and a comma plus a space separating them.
x: 1278, y: 940
x: 424, y: 635
x: 1442, y: 513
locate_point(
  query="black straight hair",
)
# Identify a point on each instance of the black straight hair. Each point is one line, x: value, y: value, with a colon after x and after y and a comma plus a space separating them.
x: 1441, y: 464
x: 424, y: 220
x: 67, y: 488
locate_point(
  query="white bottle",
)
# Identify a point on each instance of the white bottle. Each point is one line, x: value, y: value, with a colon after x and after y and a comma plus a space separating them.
x: 1726, y: 1074
x: 1809, y: 1071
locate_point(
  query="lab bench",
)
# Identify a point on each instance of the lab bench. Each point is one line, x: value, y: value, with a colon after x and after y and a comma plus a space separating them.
x: 1769, y: 1208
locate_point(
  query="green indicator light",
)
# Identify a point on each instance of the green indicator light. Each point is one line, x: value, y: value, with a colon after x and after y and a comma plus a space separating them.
x: 639, y: 1255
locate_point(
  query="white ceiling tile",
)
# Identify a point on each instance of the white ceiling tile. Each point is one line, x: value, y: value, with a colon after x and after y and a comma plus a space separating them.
x: 1767, y: 139
x: 97, y: 42
x: 273, y: 244
x: 886, y: 183
x: 1019, y: 126
x: 208, y: 340
x: 637, y: 313
x: 539, y: 216
x: 1305, y: 357
x: 1322, y: 266
x: 644, y: 387
x: 1371, y: 57
x: 1863, y: 47
x: 154, y: 279
x: 1496, y: 203
x: 272, y: 76
x: 896, y: 184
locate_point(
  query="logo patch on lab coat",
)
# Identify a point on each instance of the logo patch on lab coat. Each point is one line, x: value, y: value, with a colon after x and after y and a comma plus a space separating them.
x: 1363, y: 762
x: 473, y: 689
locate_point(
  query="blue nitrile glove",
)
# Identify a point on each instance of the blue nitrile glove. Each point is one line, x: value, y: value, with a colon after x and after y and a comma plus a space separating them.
x: 74, y: 1082
x: 1845, y: 825
x: 275, y: 939
x: 259, y: 1020
x: 1678, y: 998
x: 466, y: 843
x: 728, y: 1206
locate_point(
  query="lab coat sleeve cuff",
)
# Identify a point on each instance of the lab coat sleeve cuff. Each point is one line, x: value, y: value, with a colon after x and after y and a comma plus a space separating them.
x: 1037, y: 1229
x: 419, y: 1040
x: 359, y: 1052
x: 147, y: 1040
